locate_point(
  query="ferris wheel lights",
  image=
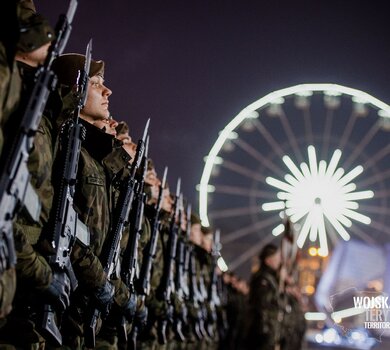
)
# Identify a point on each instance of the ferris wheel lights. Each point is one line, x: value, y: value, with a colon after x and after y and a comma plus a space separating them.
x: 278, y: 230
x: 278, y: 184
x: 232, y: 135
x: 344, y: 220
x: 208, y: 188
x: 318, y: 193
x: 291, y: 179
x: 292, y: 167
x: 304, y: 93
x: 333, y: 162
x: 359, y: 195
x: 305, y: 170
x: 339, y: 195
x: 312, y: 160
x: 322, y: 168
x: 216, y: 160
x: 273, y: 206
x: 283, y: 196
x: 357, y: 216
x: 332, y: 101
x: 332, y: 93
x: 351, y: 205
x: 277, y: 101
x: 338, y: 227
x: 359, y: 100
x: 252, y: 115
x: 351, y: 175
x: 274, y: 110
x: 384, y: 113
x: 338, y: 174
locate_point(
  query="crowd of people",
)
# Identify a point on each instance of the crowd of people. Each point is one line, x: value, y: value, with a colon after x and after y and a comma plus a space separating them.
x: 114, y: 257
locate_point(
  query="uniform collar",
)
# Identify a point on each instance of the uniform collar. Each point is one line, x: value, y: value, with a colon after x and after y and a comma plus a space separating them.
x: 98, y: 143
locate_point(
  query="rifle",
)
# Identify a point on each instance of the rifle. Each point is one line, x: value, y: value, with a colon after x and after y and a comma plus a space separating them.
x: 212, y: 297
x: 203, y: 299
x: 112, y: 244
x: 196, y: 297
x: 16, y: 191
x: 167, y: 284
x: 223, y: 324
x: 63, y: 222
x: 130, y: 255
x: 142, y: 284
x: 187, y: 253
x: 181, y: 317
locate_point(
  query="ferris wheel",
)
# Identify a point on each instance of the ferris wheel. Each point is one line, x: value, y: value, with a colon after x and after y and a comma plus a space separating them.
x: 320, y: 152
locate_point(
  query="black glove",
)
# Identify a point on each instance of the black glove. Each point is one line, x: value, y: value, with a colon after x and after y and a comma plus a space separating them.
x: 130, y: 308
x: 58, y: 291
x: 104, y: 297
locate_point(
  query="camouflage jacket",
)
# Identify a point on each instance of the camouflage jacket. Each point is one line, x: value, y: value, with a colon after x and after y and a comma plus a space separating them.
x: 265, y: 310
x: 100, y: 167
x: 10, y: 90
x: 10, y: 86
x: 32, y: 268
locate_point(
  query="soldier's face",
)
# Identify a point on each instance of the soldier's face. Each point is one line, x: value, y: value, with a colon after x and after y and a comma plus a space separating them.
x: 124, y: 137
x: 151, y: 177
x: 96, y: 106
x: 207, y: 242
x: 167, y: 200
x: 108, y: 125
x: 154, y: 182
x: 274, y: 261
x: 196, y: 234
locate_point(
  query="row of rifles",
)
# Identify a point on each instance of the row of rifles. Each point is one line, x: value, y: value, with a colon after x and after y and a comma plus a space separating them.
x: 16, y: 194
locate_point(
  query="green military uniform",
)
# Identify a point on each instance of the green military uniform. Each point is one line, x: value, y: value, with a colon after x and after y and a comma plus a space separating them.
x: 10, y: 86
x: 156, y: 308
x: 99, y: 165
x: 294, y: 323
x: 32, y: 269
x: 108, y: 337
x: 265, y: 311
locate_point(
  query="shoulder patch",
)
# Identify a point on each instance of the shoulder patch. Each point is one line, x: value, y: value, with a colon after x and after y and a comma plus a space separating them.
x: 94, y: 180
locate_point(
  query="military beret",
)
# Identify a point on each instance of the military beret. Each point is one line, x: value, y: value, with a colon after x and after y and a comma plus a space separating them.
x: 35, y: 30
x: 68, y: 65
x: 195, y: 219
x: 122, y: 128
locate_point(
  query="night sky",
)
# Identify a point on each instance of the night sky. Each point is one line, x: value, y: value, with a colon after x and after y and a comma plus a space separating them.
x: 191, y: 66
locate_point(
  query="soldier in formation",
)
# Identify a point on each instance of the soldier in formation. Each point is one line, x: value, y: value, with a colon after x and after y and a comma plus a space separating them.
x: 275, y: 318
x: 96, y: 249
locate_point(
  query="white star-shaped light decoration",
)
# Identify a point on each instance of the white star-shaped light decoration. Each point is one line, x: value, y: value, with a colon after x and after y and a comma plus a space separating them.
x: 318, y: 192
